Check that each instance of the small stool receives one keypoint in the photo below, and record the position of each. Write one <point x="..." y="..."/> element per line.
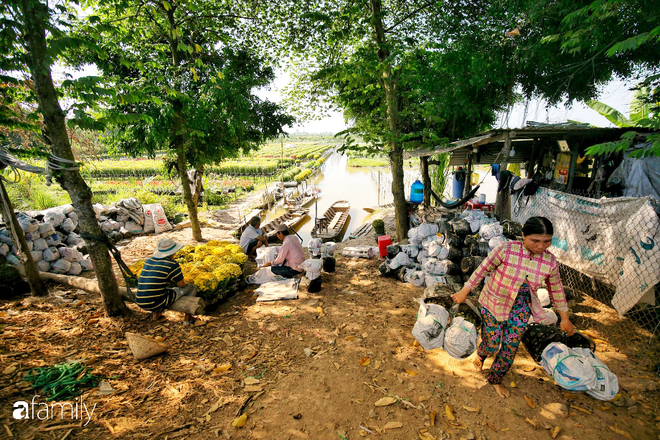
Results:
<point x="321" y="225"/>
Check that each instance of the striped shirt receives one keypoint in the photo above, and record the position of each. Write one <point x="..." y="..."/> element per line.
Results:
<point x="157" y="274"/>
<point x="510" y="265"/>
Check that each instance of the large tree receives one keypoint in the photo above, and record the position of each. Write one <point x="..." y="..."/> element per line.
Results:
<point x="33" y="36"/>
<point x="186" y="66"/>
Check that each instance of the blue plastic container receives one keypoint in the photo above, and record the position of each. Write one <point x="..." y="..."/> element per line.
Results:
<point x="417" y="192"/>
<point x="459" y="184"/>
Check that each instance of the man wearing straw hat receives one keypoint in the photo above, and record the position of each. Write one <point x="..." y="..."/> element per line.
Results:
<point x="154" y="293"/>
<point x="291" y="254"/>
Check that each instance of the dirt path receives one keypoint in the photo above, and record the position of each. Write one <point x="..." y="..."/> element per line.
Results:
<point x="312" y="368"/>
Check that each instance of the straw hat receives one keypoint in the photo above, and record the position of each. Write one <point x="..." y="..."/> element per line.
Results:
<point x="144" y="347"/>
<point x="166" y="247"/>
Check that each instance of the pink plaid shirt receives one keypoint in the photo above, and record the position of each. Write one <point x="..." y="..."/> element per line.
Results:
<point x="510" y="265"/>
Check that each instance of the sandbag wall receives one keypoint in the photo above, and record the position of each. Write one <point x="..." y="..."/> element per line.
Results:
<point x="53" y="239"/>
<point x="448" y="250"/>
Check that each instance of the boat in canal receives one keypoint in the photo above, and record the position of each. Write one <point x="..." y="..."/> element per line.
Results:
<point x="292" y="218"/>
<point x="306" y="198"/>
<point x="330" y="225"/>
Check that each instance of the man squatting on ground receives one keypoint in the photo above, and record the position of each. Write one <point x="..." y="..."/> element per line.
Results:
<point x="509" y="297"/>
<point x="154" y="293"/>
<point x="253" y="238"/>
<point x="291" y="254"/>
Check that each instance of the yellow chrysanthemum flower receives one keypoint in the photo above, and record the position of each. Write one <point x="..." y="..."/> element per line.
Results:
<point x="214" y="243"/>
<point x="234" y="248"/>
<point x="220" y="251"/>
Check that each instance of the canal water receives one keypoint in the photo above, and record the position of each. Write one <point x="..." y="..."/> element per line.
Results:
<point x="360" y="187"/>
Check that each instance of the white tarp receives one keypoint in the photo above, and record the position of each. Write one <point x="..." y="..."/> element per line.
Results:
<point x="615" y="240"/>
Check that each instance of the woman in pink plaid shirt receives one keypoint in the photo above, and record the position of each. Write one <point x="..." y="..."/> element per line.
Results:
<point x="508" y="300"/>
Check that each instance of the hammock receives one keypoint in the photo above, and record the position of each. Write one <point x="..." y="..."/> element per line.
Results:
<point x="457" y="203"/>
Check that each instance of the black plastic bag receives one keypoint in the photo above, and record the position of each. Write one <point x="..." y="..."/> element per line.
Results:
<point x="314" y="285"/>
<point x="538" y="336"/>
<point x="329" y="264"/>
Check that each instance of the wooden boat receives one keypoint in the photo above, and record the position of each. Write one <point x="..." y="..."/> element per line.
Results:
<point x="304" y="199"/>
<point x="291" y="218"/>
<point x="379" y="208"/>
<point x="330" y="226"/>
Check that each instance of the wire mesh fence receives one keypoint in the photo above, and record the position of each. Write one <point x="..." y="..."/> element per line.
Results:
<point x="609" y="250"/>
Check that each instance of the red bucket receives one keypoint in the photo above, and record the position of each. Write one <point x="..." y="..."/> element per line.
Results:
<point x="383" y="242"/>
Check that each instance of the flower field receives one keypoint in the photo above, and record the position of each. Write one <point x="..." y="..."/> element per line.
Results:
<point x="214" y="268"/>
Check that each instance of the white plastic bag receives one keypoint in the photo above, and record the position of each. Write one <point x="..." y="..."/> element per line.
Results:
<point x="160" y="220"/>
<point x="607" y="384"/>
<point x="74" y="239"/>
<point x="312" y="268"/>
<point x="328" y="249"/>
<point x="544" y="297"/>
<point x="410" y="249"/>
<point x="435" y="267"/>
<point x="46" y="230"/>
<point x="86" y="264"/>
<point x="28" y="224"/>
<point x="39" y="244"/>
<point x="429" y="330"/>
<point x="569" y="369"/>
<point x="314" y="247"/>
<point x="4" y="249"/>
<point x="550" y="318"/>
<point x="43" y="265"/>
<point x="401" y="259"/>
<point x="263" y="275"/>
<point x="70" y="254"/>
<point x="75" y="269"/>
<point x="414" y="277"/>
<point x="51" y="254"/>
<point x="431" y="280"/>
<point x="418" y="234"/>
<point x="358" y="252"/>
<point x="133" y="227"/>
<point x="36" y="255"/>
<point x="54" y="218"/>
<point x="438" y="250"/>
<point x="461" y="338"/>
<point x="491" y="230"/>
<point x="68" y="225"/>
<point x="148" y="226"/>
<point x="266" y="255"/>
<point x="60" y="266"/>
<point x="495" y="241"/>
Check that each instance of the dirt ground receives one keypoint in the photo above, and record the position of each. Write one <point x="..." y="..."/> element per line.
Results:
<point x="317" y="367"/>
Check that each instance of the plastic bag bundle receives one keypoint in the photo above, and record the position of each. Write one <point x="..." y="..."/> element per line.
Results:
<point x="54" y="218"/>
<point x="491" y="230"/>
<point x="70" y="254"/>
<point x="495" y="241"/>
<point x="607" y="384"/>
<point x="414" y="277"/>
<point x="315" y="285"/>
<point x="60" y="266"/>
<point x="328" y="249"/>
<point x="429" y="330"/>
<point x="312" y="268"/>
<point x="550" y="318"/>
<point x="263" y="275"/>
<point x="266" y="255"/>
<point x="410" y="249"/>
<point x="401" y="259"/>
<point x="431" y="280"/>
<point x="314" y="247"/>
<point x="86" y="264"/>
<point x="422" y="256"/>
<point x="74" y="239"/>
<point x="438" y="250"/>
<point x="418" y="234"/>
<point x="39" y="244"/>
<point x="28" y="224"/>
<point x="460" y="338"/>
<point x="43" y="266"/>
<point x="36" y="255"/>
<point x="358" y="252"/>
<point x="75" y="269"/>
<point x="538" y="336"/>
<point x="30" y="244"/>
<point x="51" y="254"/>
<point x="544" y="297"/>
<point x="46" y="230"/>
<point x="329" y="264"/>
<point x="4" y="249"/>
<point x="570" y="370"/>
<point x="435" y="267"/>
<point x="68" y="225"/>
<point x="73" y="215"/>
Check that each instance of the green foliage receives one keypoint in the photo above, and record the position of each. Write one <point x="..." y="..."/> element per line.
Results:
<point x="32" y="194"/>
<point x="368" y="162"/>
<point x="439" y="173"/>
<point x="379" y="227"/>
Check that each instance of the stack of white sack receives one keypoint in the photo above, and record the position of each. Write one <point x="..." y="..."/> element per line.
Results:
<point x="429" y="329"/>
<point x="492" y="233"/>
<point x="362" y="251"/>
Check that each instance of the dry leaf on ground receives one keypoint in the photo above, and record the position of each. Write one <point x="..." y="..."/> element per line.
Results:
<point x="365" y="361"/>
<point x="471" y="409"/>
<point x="529" y="401"/>
<point x="240" y="421"/>
<point x="251" y="381"/>
<point x="392" y="425"/>
<point x="626" y="434"/>
<point x="385" y="401"/>
<point x="449" y="412"/>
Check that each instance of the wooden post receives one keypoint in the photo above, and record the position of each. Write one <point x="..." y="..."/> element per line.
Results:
<point x="30" y="269"/>
<point x="503" y="196"/>
<point x="571" y="169"/>
<point x="426" y="180"/>
<point x="468" y="176"/>
<point x="529" y="169"/>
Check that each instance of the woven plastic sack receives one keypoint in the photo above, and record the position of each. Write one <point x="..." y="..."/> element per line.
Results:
<point x="43" y="266"/>
<point x="148" y="226"/>
<point x="160" y="220"/>
<point x="414" y="277"/>
<point x="75" y="269"/>
<point x="28" y="224"/>
<point x="39" y="244"/>
<point x="461" y="338"/>
<point x="418" y="234"/>
<point x="431" y="280"/>
<point x="438" y="250"/>
<point x="410" y="249"/>
<point x="53" y="217"/>
<point x="263" y="275"/>
<point x="51" y="254"/>
<point x="435" y="267"/>
<point x="312" y="268"/>
<point x="569" y="369"/>
<point x="490" y="230"/>
<point x="607" y="384"/>
<point x="429" y="329"/>
<point x="46" y="230"/>
<point x="266" y="255"/>
<point x="133" y="227"/>
<point x="68" y="225"/>
<point x="401" y="259"/>
<point x="74" y="239"/>
<point x="70" y="254"/>
<point x="86" y="264"/>
<point x="60" y="266"/>
<point x="36" y="255"/>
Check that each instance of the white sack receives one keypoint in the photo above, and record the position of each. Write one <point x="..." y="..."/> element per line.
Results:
<point x="28" y="224"/>
<point x="266" y="255"/>
<point x="74" y="239"/>
<point x="435" y="267"/>
<point x="410" y="249"/>
<point x="75" y="269"/>
<point x="86" y="263"/>
<point x="607" y="384"/>
<point x="414" y="277"/>
<point x="461" y="338"/>
<point x="432" y="280"/>
<point x="491" y="230"/>
<point x="429" y="330"/>
<point x="570" y="370"/>
<point x="358" y="252"/>
<point x="46" y="230"/>
<point x="73" y="216"/>
<point x="263" y="275"/>
<point x="544" y="297"/>
<point x="160" y="220"/>
<point x="401" y="259"/>
<point x="418" y="234"/>
<point x="4" y="249"/>
<point x="495" y="241"/>
<point x="328" y="249"/>
<point x="39" y="244"/>
<point x="312" y="268"/>
<point x="36" y="255"/>
<point x="54" y="218"/>
<point x="148" y="219"/>
<point x="43" y="265"/>
<point x="438" y="250"/>
<point x="133" y="227"/>
<point x="68" y="225"/>
<point x="51" y="254"/>
<point x="550" y="318"/>
<point x="60" y="266"/>
<point x="70" y="254"/>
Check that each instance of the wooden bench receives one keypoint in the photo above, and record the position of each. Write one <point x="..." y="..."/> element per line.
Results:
<point x="335" y="220"/>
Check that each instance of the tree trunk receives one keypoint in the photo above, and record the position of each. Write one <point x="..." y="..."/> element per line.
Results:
<point x="392" y="100"/>
<point x="426" y="180"/>
<point x="35" y="14"/>
<point x="198" y="185"/>
<point x="31" y="271"/>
